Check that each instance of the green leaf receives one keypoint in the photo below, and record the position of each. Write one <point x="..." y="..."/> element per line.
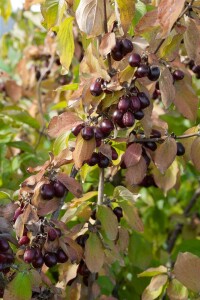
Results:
<point x="52" y="11"/>
<point x="68" y="87"/>
<point x="131" y="215"/>
<point x="153" y="272"/>
<point x="155" y="288"/>
<point x="20" y="287"/>
<point x="25" y="118"/>
<point x="177" y="291"/>
<point x="21" y="145"/>
<point x="123" y="193"/>
<point x="94" y="254"/>
<point x="5" y="9"/>
<point x="108" y="221"/>
<point x="61" y="142"/>
<point x="4" y="196"/>
<point x="66" y="42"/>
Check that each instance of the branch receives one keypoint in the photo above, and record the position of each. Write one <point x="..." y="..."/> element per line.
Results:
<point x="56" y="213"/>
<point x="163" y="138"/>
<point x="100" y="187"/>
<point x="110" y="70"/>
<point x="91" y="280"/>
<point x="178" y="229"/>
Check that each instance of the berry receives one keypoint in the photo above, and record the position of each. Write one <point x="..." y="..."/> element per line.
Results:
<point x="61" y="256"/>
<point x="155" y="134"/>
<point x="134" y="60"/>
<point x="148" y="181"/>
<point x="117" y="116"/>
<point x="98" y="133"/>
<point x="83" y="269"/>
<point x="87" y="133"/>
<point x="139" y="115"/>
<point x="93" y="215"/>
<point x="124" y="104"/>
<point x="29" y="255"/>
<point x="146" y="157"/>
<point x="9" y="258"/>
<point x="59" y="189"/>
<point x="118" y="213"/>
<point x="50" y="259"/>
<point x="98" y="142"/>
<point x="103" y="161"/>
<point x="191" y="64"/>
<point x="81" y="239"/>
<point x="178" y="75"/>
<point x="52" y="234"/>
<point x="123" y="165"/>
<point x="144" y="100"/>
<point x="127" y="46"/>
<point x="196" y="69"/>
<point x="4" y="246"/>
<point x="151" y="145"/>
<point x="38" y="262"/>
<point x="2" y="258"/>
<point x="95" y="88"/>
<point x="93" y="160"/>
<point x="142" y="71"/>
<point x="47" y="191"/>
<point x="106" y="126"/>
<point x="24" y="240"/>
<point x="154" y="73"/>
<point x="180" y="149"/>
<point x="114" y="154"/>
<point x="156" y="94"/>
<point x="128" y="119"/>
<point x="18" y="212"/>
<point x="76" y="130"/>
<point x="135" y="103"/>
<point x="58" y="231"/>
<point x="117" y="51"/>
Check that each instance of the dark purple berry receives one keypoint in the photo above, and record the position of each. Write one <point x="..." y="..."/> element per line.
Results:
<point x="60" y="189"/>
<point x="52" y="234"/>
<point x="146" y="157"/>
<point x="144" y="100"/>
<point x="103" y="161"/>
<point x="2" y="258"/>
<point x="58" y="231"/>
<point x="95" y="88"/>
<point x="139" y="115"/>
<point x="76" y="130"/>
<point x="178" y="75"/>
<point x="93" y="214"/>
<point x="98" y="133"/>
<point x="87" y="133"/>
<point x="155" y="134"/>
<point x="118" y="213"/>
<point x="4" y="246"/>
<point x="134" y="60"/>
<point x="29" y="255"/>
<point x="83" y="269"/>
<point x="117" y="116"/>
<point x="142" y="71"/>
<point x="17" y="213"/>
<point x="81" y="239"/>
<point x="156" y="94"/>
<point x="148" y="181"/>
<point x="128" y="119"/>
<point x="151" y="145"/>
<point x="24" y="240"/>
<point x="9" y="258"/>
<point x="135" y="103"/>
<point x="124" y="103"/>
<point x="61" y="256"/>
<point x="106" y="126"/>
<point x="191" y="64"/>
<point x="196" y="69"/>
<point x="38" y="262"/>
<point x="93" y="160"/>
<point x="114" y="154"/>
<point x="47" y="191"/>
<point x="117" y="55"/>
<point x="154" y="73"/>
<point x="98" y="143"/>
<point x="50" y="259"/>
<point x="127" y="46"/>
<point x="180" y="149"/>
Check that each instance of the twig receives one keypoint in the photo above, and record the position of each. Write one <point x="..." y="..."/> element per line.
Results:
<point x="91" y="280"/>
<point x="110" y="71"/>
<point x="100" y="187"/>
<point x="56" y="213"/>
<point x="178" y="229"/>
<point x="163" y="138"/>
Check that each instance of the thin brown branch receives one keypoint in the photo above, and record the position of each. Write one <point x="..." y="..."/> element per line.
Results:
<point x="101" y="187"/>
<point x="163" y="138"/>
<point x="106" y="31"/>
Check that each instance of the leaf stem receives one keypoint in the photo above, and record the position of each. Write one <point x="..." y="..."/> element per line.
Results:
<point x="101" y="187"/>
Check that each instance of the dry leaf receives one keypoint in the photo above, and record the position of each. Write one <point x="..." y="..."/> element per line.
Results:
<point x="136" y="173"/>
<point x="133" y="154"/>
<point x="165" y="154"/>
<point x="71" y="184"/>
<point x="147" y="22"/>
<point x="107" y="43"/>
<point x="106" y="150"/>
<point x="166" y="87"/>
<point x="195" y="150"/>
<point x="13" y="90"/>
<point x="192" y="39"/>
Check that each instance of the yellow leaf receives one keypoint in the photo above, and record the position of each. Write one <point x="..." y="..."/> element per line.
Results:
<point x="125" y="10"/>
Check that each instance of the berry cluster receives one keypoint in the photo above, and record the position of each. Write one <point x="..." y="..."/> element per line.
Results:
<point x="53" y="189"/>
<point x="6" y="256"/>
<point x="101" y="160"/>
<point x="121" y="49"/>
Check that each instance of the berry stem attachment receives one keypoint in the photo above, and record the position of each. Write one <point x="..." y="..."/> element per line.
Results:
<point x="100" y="187"/>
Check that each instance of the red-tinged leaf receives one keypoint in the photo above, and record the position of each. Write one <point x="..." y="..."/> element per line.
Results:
<point x="147" y="22"/>
<point x="30" y="214"/>
<point x="195" y="150"/>
<point x="108" y="221"/>
<point x="135" y="174"/>
<point x="133" y="154"/>
<point x="107" y="43"/>
<point x="60" y="124"/>
<point x="192" y="39"/>
<point x="187" y="271"/>
<point x="186" y="99"/>
<point x="71" y="184"/>
<point x="83" y="151"/>
<point x="166" y="87"/>
<point x="187" y="143"/>
<point x="153" y="271"/>
<point x="48" y="207"/>
<point x="106" y="150"/>
<point x="94" y="253"/>
<point x="165" y="154"/>
<point x="71" y="248"/>
<point x="168" y="13"/>
<point x="123" y="239"/>
<point x="155" y="288"/>
<point x="7" y="211"/>
<point x="131" y="215"/>
<point x="177" y="291"/>
<point x="13" y="90"/>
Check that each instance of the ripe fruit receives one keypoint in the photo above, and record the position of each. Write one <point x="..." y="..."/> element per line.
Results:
<point x="81" y="239"/>
<point x="154" y="73"/>
<point x="117" y="116"/>
<point x="59" y="189"/>
<point x="4" y="246"/>
<point x="24" y="240"/>
<point x="114" y="154"/>
<point x="196" y="69"/>
<point x="52" y="234"/>
<point x="135" y="103"/>
<point x="117" y="51"/>
<point x="98" y="142"/>
<point x="103" y="161"/>
<point x="9" y="258"/>
<point x="87" y="133"/>
<point x="98" y="133"/>
<point x="118" y="213"/>
<point x="47" y="191"/>
<point x="2" y="258"/>
<point x="106" y="126"/>
<point x="155" y="134"/>
<point x="144" y="100"/>
<point x="29" y="255"/>
<point x="178" y="75"/>
<point x="139" y="115"/>
<point x="156" y="94"/>
<point x="146" y="157"/>
<point x="180" y="149"/>
<point x="38" y="262"/>
<point x="124" y="103"/>
<point x="18" y="212"/>
<point x="142" y="71"/>
<point x="95" y="88"/>
<point x="76" y="130"/>
<point x="134" y="60"/>
<point x="58" y="231"/>
<point x="93" y="160"/>
<point x="151" y="145"/>
<point x="148" y="181"/>
<point x="61" y="256"/>
<point x="128" y="119"/>
<point x="83" y="269"/>
<point x="50" y="259"/>
<point x="93" y="214"/>
<point x="127" y="46"/>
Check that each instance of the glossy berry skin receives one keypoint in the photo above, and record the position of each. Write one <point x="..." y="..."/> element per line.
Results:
<point x="47" y="191"/>
<point x="18" y="212"/>
<point x="117" y="116"/>
<point x="155" y="134"/>
<point x="144" y="100"/>
<point x="148" y="181"/>
<point x="98" y="133"/>
<point x="38" y="262"/>
<point x="93" y="160"/>
<point x="59" y="189"/>
<point x="135" y="103"/>
<point x="178" y="75"/>
<point x="117" y="55"/>
<point x="180" y="149"/>
<point x="118" y="213"/>
<point x="81" y="239"/>
<point x="196" y="69"/>
<point x="134" y="60"/>
<point x="114" y="154"/>
<point x="50" y="259"/>
<point x="124" y="104"/>
<point x="106" y="126"/>
<point x="52" y="234"/>
<point x="154" y="73"/>
<point x="87" y="133"/>
<point x="95" y="88"/>
<point x="29" y="255"/>
<point x="9" y="258"/>
<point x="76" y="130"/>
<point x="83" y="269"/>
<point x="128" y="119"/>
<point x="93" y="215"/>
<point x="103" y="162"/>
<point x="24" y="240"/>
<point x="127" y="46"/>
<point x="58" y="231"/>
<point x="61" y="256"/>
<point x="151" y="145"/>
<point x="139" y="115"/>
<point x="142" y="71"/>
<point x="4" y="246"/>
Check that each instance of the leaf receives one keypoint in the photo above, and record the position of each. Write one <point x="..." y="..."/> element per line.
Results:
<point x="187" y="143"/>
<point x="147" y="22"/>
<point x="187" y="271"/>
<point x="133" y="154"/>
<point x="68" y="87"/>
<point x="136" y="173"/>
<point x="108" y="221"/>
<point x="168" y="13"/>
<point x="71" y="184"/>
<point x="107" y="43"/>
<point x="125" y="10"/>
<point x="126" y="74"/>
<point x="13" y="90"/>
<point x="60" y="124"/>
<point x="52" y="11"/>
<point x="123" y="239"/>
<point x="5" y="9"/>
<point x="19" y="288"/>
<point x="83" y="151"/>
<point x="106" y="150"/>
<point x="94" y="254"/>
<point x="166" y="87"/>
<point x="165" y="154"/>
<point x="176" y="291"/>
<point x="192" y="39"/>
<point x="155" y="288"/>
<point x="90" y="16"/>
<point x="195" y="150"/>
<point x="153" y="272"/>
<point x="123" y="193"/>
<point x="186" y="99"/>
<point x="65" y="41"/>
<point x="130" y="213"/>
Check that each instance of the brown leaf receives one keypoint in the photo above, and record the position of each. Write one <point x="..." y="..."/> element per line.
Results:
<point x="132" y="154"/>
<point x="47" y="207"/>
<point x="107" y="43"/>
<point x="13" y="90"/>
<point x="192" y="39"/>
<point x="186" y="99"/>
<point x="7" y="211"/>
<point x="60" y="124"/>
<point x="124" y="10"/>
<point x="147" y="22"/>
<point x="166" y="87"/>
<point x="136" y="173"/>
<point x="168" y="13"/>
<point x="94" y="254"/>
<point x="187" y="143"/>
<point x="195" y="150"/>
<point x="123" y="239"/>
<point x="71" y="184"/>
<point x="106" y="150"/>
<point x="187" y="271"/>
<point x="71" y="248"/>
<point x="176" y="291"/>
<point x="165" y="154"/>
<point x="83" y="150"/>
